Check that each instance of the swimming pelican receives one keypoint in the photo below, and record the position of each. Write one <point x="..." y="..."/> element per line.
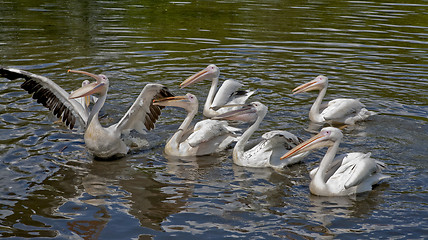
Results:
<point x="100" y="142"/>
<point x="345" y="111"/>
<point x="273" y="145"/>
<point x="206" y="137"/>
<point x="344" y="175"/>
<point x="227" y="94"/>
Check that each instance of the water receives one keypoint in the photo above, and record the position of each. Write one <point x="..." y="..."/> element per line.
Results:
<point x="372" y="50"/>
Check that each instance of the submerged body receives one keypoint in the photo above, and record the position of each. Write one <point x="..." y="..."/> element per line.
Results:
<point x="343" y="111"/>
<point x="206" y="137"/>
<point x="343" y="175"/>
<point x="104" y="143"/>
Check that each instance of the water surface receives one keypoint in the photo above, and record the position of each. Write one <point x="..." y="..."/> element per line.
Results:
<point x="372" y="50"/>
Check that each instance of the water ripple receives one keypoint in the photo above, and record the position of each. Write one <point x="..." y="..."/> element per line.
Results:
<point x="374" y="51"/>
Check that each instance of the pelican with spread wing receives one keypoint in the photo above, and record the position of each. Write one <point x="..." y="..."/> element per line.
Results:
<point x="267" y="151"/>
<point x="341" y="110"/>
<point x="343" y="175"/>
<point x="206" y="137"/>
<point x="227" y="94"/>
<point x="101" y="142"/>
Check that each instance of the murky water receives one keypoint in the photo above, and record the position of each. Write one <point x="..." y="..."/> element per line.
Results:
<point x="372" y="50"/>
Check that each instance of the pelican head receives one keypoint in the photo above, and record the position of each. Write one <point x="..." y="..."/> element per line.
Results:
<point x="100" y="86"/>
<point x="210" y="72"/>
<point x="318" y="83"/>
<point x="188" y="102"/>
<point x="247" y="112"/>
<point x="325" y="138"/>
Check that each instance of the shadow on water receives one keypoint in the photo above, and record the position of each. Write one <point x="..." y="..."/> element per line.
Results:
<point x="120" y="188"/>
<point x="81" y="198"/>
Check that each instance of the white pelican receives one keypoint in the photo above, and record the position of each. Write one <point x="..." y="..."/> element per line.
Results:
<point x="344" y="175"/>
<point x="206" y="137"/>
<point x="344" y="111"/>
<point x="227" y="94"/>
<point x="273" y="145"/>
<point x="100" y="142"/>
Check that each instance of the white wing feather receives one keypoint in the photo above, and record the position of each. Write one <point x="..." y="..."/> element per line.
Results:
<point x="272" y="146"/>
<point x="353" y="173"/>
<point x="229" y="94"/>
<point x="225" y="92"/>
<point x="341" y="108"/>
<point x="143" y="114"/>
<point x="339" y="160"/>
<point x="206" y="130"/>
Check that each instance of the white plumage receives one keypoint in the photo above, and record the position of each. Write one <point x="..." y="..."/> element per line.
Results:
<point x="100" y="142"/>
<point x="345" y="111"/>
<point x="343" y="175"/>
<point x="227" y="94"/>
<point x="106" y="142"/>
<point x="206" y="137"/>
<point x="269" y="149"/>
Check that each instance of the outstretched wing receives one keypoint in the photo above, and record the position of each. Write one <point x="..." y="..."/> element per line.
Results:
<point x="143" y="114"/>
<point x="52" y="96"/>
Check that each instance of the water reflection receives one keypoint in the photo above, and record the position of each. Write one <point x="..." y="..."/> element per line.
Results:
<point x="331" y="211"/>
<point x="191" y="169"/>
<point x="91" y="229"/>
<point x="372" y="50"/>
<point x="119" y="186"/>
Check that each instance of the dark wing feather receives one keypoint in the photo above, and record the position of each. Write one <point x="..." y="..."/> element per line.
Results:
<point x="53" y="97"/>
<point x="143" y="113"/>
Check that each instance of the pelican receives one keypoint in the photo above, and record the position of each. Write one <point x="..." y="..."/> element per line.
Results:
<point x="344" y="175"/>
<point x="206" y="137"/>
<point x="227" y="94"/>
<point x="343" y="111"/>
<point x="265" y="153"/>
<point x="101" y="142"/>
